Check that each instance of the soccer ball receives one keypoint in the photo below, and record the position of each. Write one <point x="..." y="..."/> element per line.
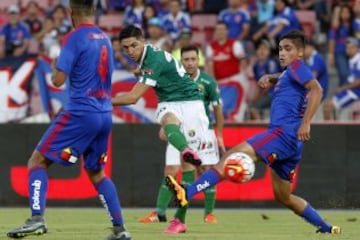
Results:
<point x="239" y="167"/>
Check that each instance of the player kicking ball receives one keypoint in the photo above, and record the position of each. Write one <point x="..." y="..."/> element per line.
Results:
<point x="180" y="111"/>
<point x="211" y="99"/>
<point x="82" y="129"/>
<point x="297" y="95"/>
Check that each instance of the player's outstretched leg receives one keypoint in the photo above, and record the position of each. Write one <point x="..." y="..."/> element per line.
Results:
<point x="206" y="180"/>
<point x="109" y="198"/>
<point x="33" y="226"/>
<point x="282" y="191"/>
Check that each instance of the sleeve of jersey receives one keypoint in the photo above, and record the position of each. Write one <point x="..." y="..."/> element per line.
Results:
<point x="214" y="94"/>
<point x="67" y="56"/>
<point x="357" y="72"/>
<point x="151" y="73"/>
<point x="301" y="73"/>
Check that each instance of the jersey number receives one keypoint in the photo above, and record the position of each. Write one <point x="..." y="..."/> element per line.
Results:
<point x="103" y="63"/>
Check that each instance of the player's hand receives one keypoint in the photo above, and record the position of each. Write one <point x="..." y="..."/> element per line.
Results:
<point x="221" y="144"/>
<point x="304" y="132"/>
<point x="264" y="82"/>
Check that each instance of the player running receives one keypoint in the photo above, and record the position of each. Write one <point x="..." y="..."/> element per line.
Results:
<point x="82" y="129"/>
<point x="211" y="98"/>
<point x="180" y="111"/>
<point x="297" y="95"/>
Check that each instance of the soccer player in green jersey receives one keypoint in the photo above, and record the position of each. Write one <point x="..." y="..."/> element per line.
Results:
<point x="211" y="99"/>
<point x="180" y="111"/>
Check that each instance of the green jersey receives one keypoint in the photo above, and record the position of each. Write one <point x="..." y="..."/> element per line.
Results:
<point x="167" y="76"/>
<point x="210" y="92"/>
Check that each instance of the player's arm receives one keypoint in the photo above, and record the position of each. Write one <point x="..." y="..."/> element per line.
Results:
<point x="131" y="97"/>
<point x="58" y="77"/>
<point x="350" y="86"/>
<point x="268" y="79"/>
<point x="314" y="99"/>
<point x="219" y="125"/>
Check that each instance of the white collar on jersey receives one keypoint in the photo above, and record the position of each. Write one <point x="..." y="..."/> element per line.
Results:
<point x="197" y="74"/>
<point x="143" y="56"/>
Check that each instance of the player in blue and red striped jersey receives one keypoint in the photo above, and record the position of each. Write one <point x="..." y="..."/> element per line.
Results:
<point x="82" y="129"/>
<point x="297" y="95"/>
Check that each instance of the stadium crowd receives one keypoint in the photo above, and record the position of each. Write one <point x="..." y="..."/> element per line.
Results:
<point x="236" y="39"/>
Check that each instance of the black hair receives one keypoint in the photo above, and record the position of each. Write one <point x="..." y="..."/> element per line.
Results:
<point x="222" y="23"/>
<point x="82" y="7"/>
<point x="296" y="36"/>
<point x="188" y="49"/>
<point x="131" y="31"/>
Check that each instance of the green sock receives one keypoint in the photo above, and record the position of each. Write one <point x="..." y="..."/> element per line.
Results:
<point x="163" y="199"/>
<point x="175" y="137"/>
<point x="210" y="199"/>
<point x="188" y="177"/>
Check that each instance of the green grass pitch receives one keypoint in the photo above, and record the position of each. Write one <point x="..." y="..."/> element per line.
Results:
<point x="233" y="224"/>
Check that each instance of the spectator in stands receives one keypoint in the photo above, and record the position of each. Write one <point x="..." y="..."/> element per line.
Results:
<point x="116" y="5"/>
<point x="225" y="57"/>
<point x="121" y="61"/>
<point x="284" y="21"/>
<point x="265" y="64"/>
<point x="32" y="17"/>
<point x="101" y="7"/>
<point x="176" y="20"/>
<point x="61" y="17"/>
<point x="318" y="66"/>
<point x="54" y="50"/>
<point x="157" y="36"/>
<point x="161" y="7"/>
<point x="342" y="27"/>
<point x="305" y="4"/>
<point x="47" y="37"/>
<point x="210" y="6"/>
<point x="356" y="22"/>
<point x="134" y="13"/>
<point x="265" y="10"/>
<point x="184" y="40"/>
<point x="149" y="13"/>
<point x="349" y="92"/>
<point x="14" y="36"/>
<point x="237" y="20"/>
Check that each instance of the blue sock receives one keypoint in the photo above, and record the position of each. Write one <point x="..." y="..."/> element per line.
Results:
<point x="109" y="198"/>
<point x="310" y="215"/>
<point x="38" y="184"/>
<point x="208" y="179"/>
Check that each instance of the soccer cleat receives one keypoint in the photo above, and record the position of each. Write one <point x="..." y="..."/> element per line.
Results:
<point x="153" y="217"/>
<point x="190" y="156"/>
<point x="33" y="226"/>
<point x="210" y="218"/>
<point x="334" y="230"/>
<point x="176" y="226"/>
<point x="178" y="190"/>
<point x="119" y="233"/>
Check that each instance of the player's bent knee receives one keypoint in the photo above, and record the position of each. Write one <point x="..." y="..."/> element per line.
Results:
<point x="95" y="175"/>
<point x="38" y="160"/>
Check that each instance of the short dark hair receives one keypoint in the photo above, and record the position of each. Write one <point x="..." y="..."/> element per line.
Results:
<point x="297" y="37"/>
<point x="131" y="31"/>
<point x="188" y="49"/>
<point x="222" y="23"/>
<point x="82" y="7"/>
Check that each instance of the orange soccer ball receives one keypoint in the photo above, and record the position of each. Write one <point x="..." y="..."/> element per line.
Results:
<point x="239" y="167"/>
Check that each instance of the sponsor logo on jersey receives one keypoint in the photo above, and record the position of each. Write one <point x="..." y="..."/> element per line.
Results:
<point x="36" y="195"/>
<point x="202" y="186"/>
<point x="102" y="159"/>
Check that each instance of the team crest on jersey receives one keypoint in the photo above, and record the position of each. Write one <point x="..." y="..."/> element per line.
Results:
<point x="201" y="87"/>
<point x="272" y="157"/>
<point x="147" y="71"/>
<point x="67" y="154"/>
<point x="292" y="175"/>
<point x="191" y="133"/>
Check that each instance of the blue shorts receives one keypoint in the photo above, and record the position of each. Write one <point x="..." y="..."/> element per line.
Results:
<point x="72" y="136"/>
<point x="278" y="149"/>
<point x="345" y="98"/>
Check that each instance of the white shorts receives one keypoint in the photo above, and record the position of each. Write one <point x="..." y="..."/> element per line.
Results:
<point x="208" y="156"/>
<point x="194" y="123"/>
